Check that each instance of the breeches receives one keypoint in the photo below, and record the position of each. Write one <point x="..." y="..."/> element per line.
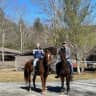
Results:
<point x="35" y="61"/>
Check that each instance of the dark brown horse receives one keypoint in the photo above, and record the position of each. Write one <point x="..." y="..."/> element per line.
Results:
<point x="64" y="70"/>
<point x="43" y="70"/>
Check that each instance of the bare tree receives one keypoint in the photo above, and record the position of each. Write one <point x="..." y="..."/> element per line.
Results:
<point x="20" y="11"/>
<point x="71" y="16"/>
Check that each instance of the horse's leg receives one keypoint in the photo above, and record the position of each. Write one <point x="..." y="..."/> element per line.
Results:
<point x="68" y="83"/>
<point x="43" y="86"/>
<point x="62" y="83"/>
<point x="29" y="82"/>
<point x="34" y="78"/>
<point x="45" y="78"/>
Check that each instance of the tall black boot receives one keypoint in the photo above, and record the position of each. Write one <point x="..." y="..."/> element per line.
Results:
<point x="33" y="71"/>
<point x="57" y="69"/>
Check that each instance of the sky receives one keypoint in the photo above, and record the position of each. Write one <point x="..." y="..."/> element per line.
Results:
<point x="31" y="10"/>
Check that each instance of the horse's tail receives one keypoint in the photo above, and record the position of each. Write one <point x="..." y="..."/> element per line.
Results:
<point x="27" y="72"/>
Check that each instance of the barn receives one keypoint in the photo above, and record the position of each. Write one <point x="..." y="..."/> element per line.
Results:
<point x="21" y="59"/>
<point x="9" y="57"/>
<point x="91" y="58"/>
<point x="91" y="55"/>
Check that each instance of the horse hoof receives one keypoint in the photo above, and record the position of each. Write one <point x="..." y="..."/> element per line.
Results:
<point x="43" y="93"/>
<point x="63" y="95"/>
<point x="46" y="88"/>
<point x="63" y="89"/>
<point x="30" y="90"/>
<point x="66" y="95"/>
<point x="34" y="87"/>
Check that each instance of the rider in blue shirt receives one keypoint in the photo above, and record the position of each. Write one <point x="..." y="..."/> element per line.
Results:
<point x="38" y="53"/>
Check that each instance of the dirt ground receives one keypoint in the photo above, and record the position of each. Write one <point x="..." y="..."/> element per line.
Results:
<point x="12" y="84"/>
<point x="78" y="88"/>
<point x="11" y="75"/>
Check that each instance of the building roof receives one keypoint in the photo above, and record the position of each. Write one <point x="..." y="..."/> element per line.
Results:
<point x="10" y="51"/>
<point x="27" y="53"/>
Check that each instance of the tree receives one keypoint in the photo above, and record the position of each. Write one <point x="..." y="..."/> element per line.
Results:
<point x="21" y="29"/>
<point x="71" y="16"/>
<point x="37" y="25"/>
<point x="39" y="31"/>
<point x="2" y="23"/>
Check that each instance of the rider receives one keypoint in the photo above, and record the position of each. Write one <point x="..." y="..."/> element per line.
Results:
<point x="68" y="58"/>
<point x="38" y="53"/>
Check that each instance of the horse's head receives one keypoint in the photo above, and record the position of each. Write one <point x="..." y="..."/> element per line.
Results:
<point x="62" y="54"/>
<point x="48" y="56"/>
<point x="53" y="50"/>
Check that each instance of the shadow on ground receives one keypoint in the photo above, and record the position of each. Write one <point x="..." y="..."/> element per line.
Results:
<point x="49" y="88"/>
<point x="54" y="89"/>
<point x="33" y="89"/>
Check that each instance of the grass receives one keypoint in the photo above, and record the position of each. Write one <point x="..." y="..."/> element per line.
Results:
<point x="10" y="75"/>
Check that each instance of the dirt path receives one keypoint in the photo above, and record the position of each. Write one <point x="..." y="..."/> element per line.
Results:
<point x="78" y="88"/>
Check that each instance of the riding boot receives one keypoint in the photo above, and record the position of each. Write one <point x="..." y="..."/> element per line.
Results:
<point x="57" y="72"/>
<point x="57" y="69"/>
<point x="33" y="71"/>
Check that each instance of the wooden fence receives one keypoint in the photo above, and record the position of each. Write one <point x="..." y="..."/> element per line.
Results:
<point x="20" y="61"/>
<point x="7" y="64"/>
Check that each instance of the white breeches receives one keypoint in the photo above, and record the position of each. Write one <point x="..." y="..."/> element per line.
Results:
<point x="35" y="61"/>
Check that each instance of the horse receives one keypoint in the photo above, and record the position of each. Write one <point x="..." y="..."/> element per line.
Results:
<point x="64" y="71"/>
<point x="43" y="70"/>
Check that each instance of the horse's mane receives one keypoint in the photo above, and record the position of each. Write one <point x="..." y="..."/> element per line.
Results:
<point x="62" y="49"/>
<point x="64" y="62"/>
<point x="53" y="50"/>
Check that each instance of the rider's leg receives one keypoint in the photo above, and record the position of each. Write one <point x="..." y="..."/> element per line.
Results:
<point x="35" y="61"/>
<point x="57" y="69"/>
<point x="34" y="64"/>
<point x="57" y="66"/>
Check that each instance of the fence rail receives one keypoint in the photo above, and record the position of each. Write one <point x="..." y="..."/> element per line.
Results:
<point x="7" y="64"/>
<point x="88" y="62"/>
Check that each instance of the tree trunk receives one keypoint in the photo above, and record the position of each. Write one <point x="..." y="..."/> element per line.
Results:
<point x="77" y="62"/>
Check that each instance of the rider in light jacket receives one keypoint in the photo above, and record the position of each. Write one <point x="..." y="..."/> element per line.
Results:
<point x="68" y="58"/>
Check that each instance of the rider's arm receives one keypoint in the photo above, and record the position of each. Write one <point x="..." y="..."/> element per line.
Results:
<point x="68" y="53"/>
<point x="33" y="51"/>
<point x="42" y="52"/>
